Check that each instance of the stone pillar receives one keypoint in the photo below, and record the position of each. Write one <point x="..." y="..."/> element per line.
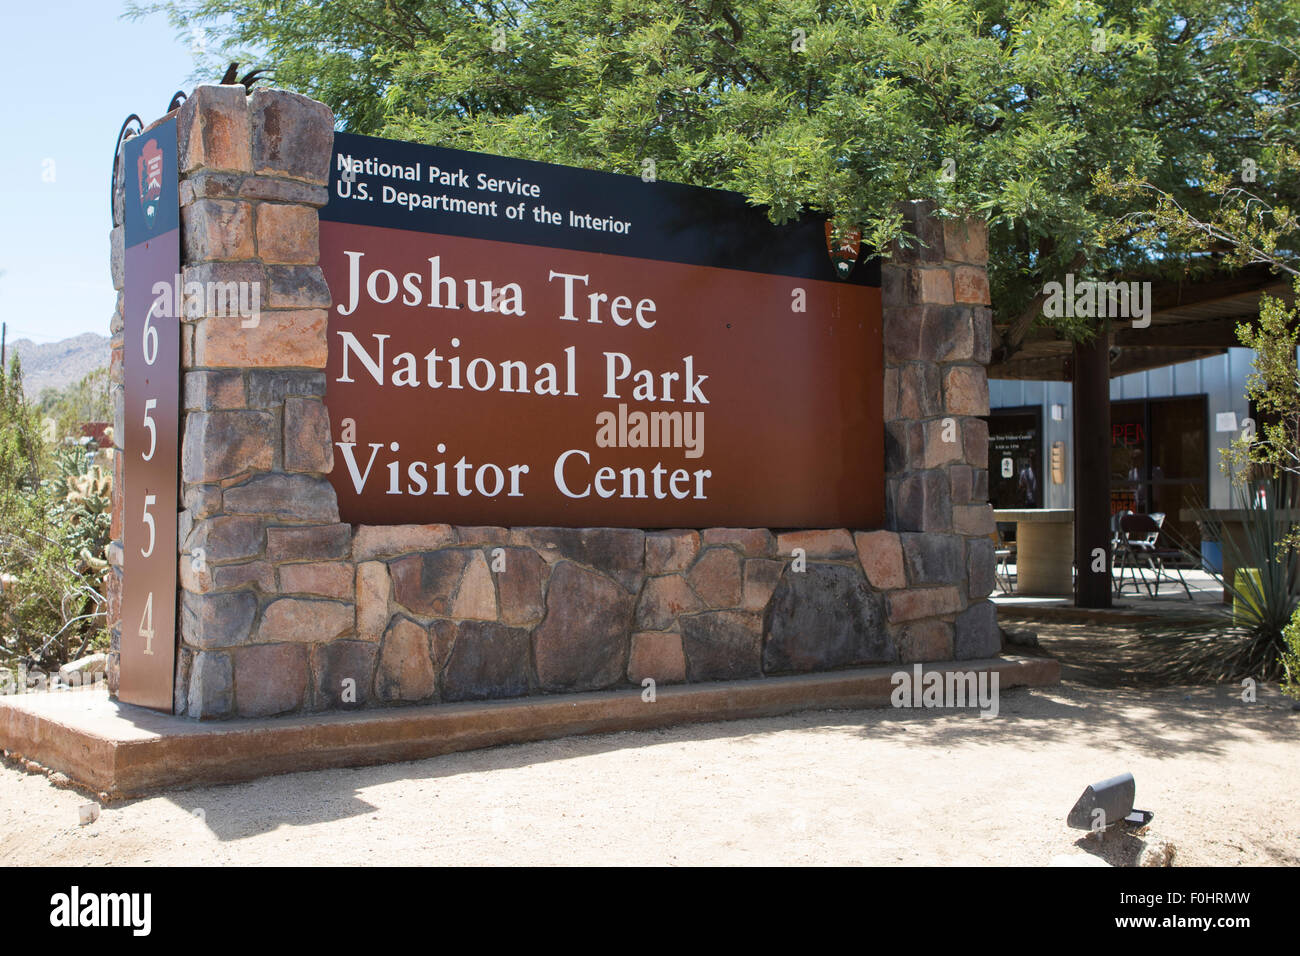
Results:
<point x="937" y="339"/>
<point x="255" y="442"/>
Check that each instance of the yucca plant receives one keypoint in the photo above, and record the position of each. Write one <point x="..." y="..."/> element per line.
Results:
<point x="1228" y="642"/>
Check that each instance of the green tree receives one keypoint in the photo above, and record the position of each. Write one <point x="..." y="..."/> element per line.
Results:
<point x="67" y="408"/>
<point x="1028" y="113"/>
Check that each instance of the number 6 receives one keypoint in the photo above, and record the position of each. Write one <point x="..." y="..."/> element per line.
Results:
<point x="150" y="339"/>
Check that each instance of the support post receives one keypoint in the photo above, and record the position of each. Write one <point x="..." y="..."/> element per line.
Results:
<point x="1091" y="392"/>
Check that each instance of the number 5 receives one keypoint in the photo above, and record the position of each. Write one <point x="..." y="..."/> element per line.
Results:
<point x="148" y="519"/>
<point x="149" y="424"/>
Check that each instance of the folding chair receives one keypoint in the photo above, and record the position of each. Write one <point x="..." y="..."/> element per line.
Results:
<point x="1140" y="536"/>
<point x="1002" y="553"/>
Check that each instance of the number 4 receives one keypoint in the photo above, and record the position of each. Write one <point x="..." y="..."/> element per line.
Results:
<point x="146" y="624"/>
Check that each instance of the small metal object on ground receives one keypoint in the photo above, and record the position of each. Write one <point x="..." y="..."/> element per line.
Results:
<point x="1114" y="798"/>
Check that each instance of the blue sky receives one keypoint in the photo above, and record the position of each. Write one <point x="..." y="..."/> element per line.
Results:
<point x="75" y="70"/>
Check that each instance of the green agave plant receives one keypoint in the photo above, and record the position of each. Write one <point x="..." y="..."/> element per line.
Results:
<point x="1247" y="637"/>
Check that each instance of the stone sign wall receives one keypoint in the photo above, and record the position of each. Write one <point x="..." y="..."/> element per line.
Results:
<point x="284" y="609"/>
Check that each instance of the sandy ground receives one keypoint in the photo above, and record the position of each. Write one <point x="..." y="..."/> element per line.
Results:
<point x="837" y="787"/>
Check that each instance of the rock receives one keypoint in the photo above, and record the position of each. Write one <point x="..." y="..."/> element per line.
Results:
<point x="305" y="620"/>
<point x="307" y="445"/>
<point x="487" y="661"/>
<point x="87" y="814"/>
<point x="916" y="603"/>
<point x="211" y="685"/>
<point x="1019" y="637"/>
<point x="213" y="391"/>
<point x="519" y="586"/>
<point x="657" y="655"/>
<point x="270" y="679"/>
<point x="662" y="599"/>
<point x="668" y="551"/>
<point x="213" y="130"/>
<point x="374" y="587"/>
<point x="287" y="497"/>
<point x="618" y="552"/>
<point x="297" y="287"/>
<point x="291" y="337"/>
<point x="761" y="577"/>
<point x="881" y="556"/>
<point x="980" y="566"/>
<point x="971" y="285"/>
<point x="227" y="538"/>
<point x="822" y="618"/>
<point x="332" y="579"/>
<point x="716" y="577"/>
<point x="223" y="444"/>
<point x="933" y="559"/>
<point x="405" y="667"/>
<point x="835" y="543"/>
<point x="961" y="481"/>
<point x="344" y="669"/>
<point x="975" y="632"/>
<point x="217" y="620"/>
<point x="975" y="445"/>
<point x="216" y="229"/>
<point x="288" y="234"/>
<point x="84" y="669"/>
<point x="388" y="541"/>
<point x="966" y="390"/>
<point x="292" y="136"/>
<point x="923" y="502"/>
<point x="582" y="643"/>
<point x="1156" y="851"/>
<point x="973" y="519"/>
<point x="425" y="582"/>
<point x="753" y="542"/>
<point x="270" y="387"/>
<point x="926" y="641"/>
<point x="722" y="645"/>
<point x="476" y="598"/>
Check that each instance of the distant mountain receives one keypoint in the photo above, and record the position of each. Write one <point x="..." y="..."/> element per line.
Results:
<point x="59" y="364"/>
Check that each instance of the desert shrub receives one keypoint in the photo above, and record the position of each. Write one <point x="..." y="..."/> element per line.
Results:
<point x="55" y="511"/>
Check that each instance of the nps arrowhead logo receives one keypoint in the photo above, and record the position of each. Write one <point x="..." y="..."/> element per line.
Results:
<point x="149" y="172"/>
<point x="844" y="246"/>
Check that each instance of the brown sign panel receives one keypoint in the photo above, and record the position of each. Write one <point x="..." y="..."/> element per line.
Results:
<point x="474" y="379"/>
<point x="151" y="439"/>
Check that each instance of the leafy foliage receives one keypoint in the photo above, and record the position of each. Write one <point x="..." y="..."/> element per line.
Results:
<point x="62" y="410"/>
<point x="54" y="528"/>
<point x="1246" y="638"/>
<point x="1274" y="386"/>
<point x="1067" y="124"/>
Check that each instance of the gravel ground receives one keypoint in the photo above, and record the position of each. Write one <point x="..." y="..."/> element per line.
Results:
<point x="838" y="787"/>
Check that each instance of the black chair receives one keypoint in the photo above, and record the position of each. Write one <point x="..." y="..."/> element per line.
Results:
<point x="1139" y="551"/>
